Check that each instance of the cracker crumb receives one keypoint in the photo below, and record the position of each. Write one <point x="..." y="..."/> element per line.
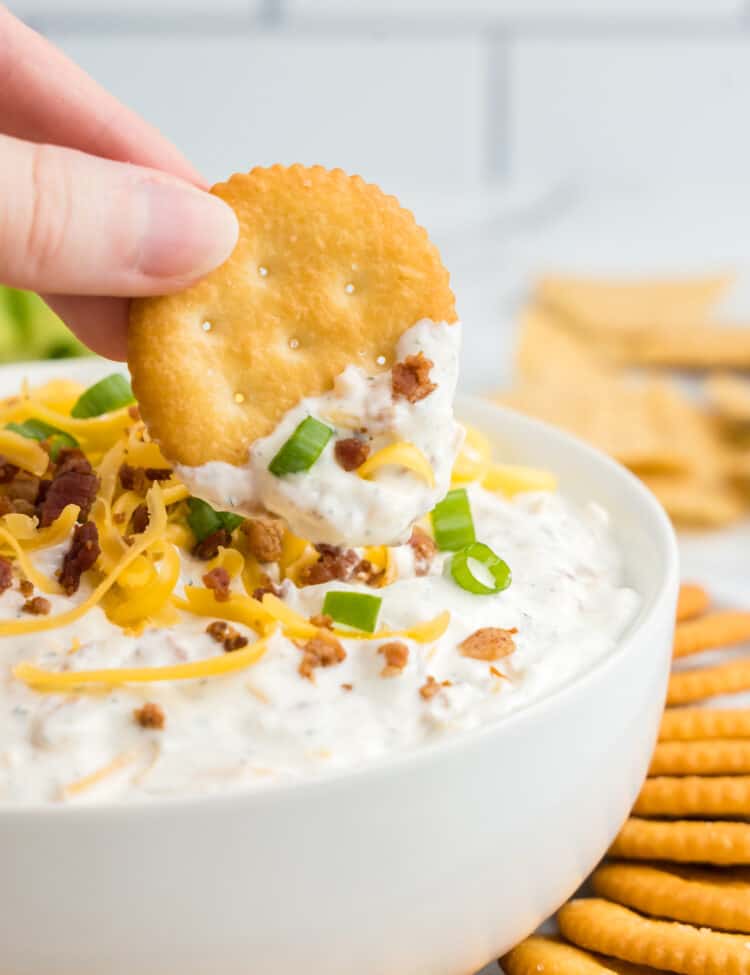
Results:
<point x="489" y="643"/>
<point x="150" y="716"/>
<point x="396" y="656"/>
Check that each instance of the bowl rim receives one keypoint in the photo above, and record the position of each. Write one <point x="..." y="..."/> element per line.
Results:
<point x="661" y="600"/>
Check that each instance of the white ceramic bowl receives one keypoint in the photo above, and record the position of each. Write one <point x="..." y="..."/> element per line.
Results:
<point x="430" y="863"/>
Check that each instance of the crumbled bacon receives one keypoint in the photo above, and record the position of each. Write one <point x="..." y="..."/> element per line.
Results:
<point x="322" y="620"/>
<point x="209" y="547"/>
<point x="150" y="716"/>
<point x="234" y="641"/>
<point x="139" y="519"/>
<point x="22" y="507"/>
<point x="365" y="571"/>
<point x="322" y="650"/>
<point x="6" y="574"/>
<point x="26" y="588"/>
<point x="83" y="552"/>
<point x="430" y="688"/>
<point x="489" y="643"/>
<point x="347" y="687"/>
<point x="351" y="452"/>
<point x="264" y="537"/>
<point x="424" y="549"/>
<point x="37" y="606"/>
<point x="396" y="656"/>
<point x="74" y="482"/>
<point x="139" y="479"/>
<point x="22" y="487"/>
<point x="219" y="581"/>
<point x="334" y="563"/>
<point x="268" y="588"/>
<point x="7" y="470"/>
<point x="226" y="635"/>
<point x="411" y="378"/>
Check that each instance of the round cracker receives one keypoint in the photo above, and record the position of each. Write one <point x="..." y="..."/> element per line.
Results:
<point x="327" y="271"/>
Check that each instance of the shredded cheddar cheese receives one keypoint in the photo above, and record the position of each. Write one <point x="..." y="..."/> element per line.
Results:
<point x="76" y="680"/>
<point x="511" y="479"/>
<point x="23" y="452"/>
<point x="154" y="532"/>
<point x="401" y="454"/>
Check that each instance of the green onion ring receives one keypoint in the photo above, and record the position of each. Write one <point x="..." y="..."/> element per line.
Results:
<point x="464" y="577"/>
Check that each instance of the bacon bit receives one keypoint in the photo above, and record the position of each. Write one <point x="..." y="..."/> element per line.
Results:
<point x="83" y="552"/>
<point x="396" y="656"/>
<point x="74" y="482"/>
<point x="489" y="643"/>
<point x="139" y="519"/>
<point x="150" y="716"/>
<point x="365" y="571"/>
<point x="323" y="650"/>
<point x="498" y="673"/>
<point x="226" y="635"/>
<point x="347" y="687"/>
<point x="209" y="547"/>
<point x="37" y="606"/>
<point x="424" y="548"/>
<point x="119" y="517"/>
<point x="6" y="574"/>
<point x="219" y="581"/>
<point x="351" y="453"/>
<point x="264" y="536"/>
<point x="139" y="479"/>
<point x="411" y="378"/>
<point x="218" y="630"/>
<point x="334" y="563"/>
<point x="322" y="621"/>
<point x="430" y="688"/>
<point x="267" y="587"/>
<point x="7" y="470"/>
<point x="26" y="588"/>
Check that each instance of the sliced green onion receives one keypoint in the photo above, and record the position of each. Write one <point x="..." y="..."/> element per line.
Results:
<point x="355" y="609"/>
<point x="302" y="449"/>
<point x="39" y="430"/>
<point x="452" y="522"/>
<point x="497" y="568"/>
<point x="204" y="520"/>
<point x="111" y="393"/>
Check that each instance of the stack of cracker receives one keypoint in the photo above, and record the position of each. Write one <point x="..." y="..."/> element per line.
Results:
<point x="600" y="359"/>
<point x="673" y="894"/>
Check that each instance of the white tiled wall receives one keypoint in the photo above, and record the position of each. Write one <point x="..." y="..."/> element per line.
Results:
<point x="631" y="111"/>
<point x="399" y="111"/>
<point x="434" y="94"/>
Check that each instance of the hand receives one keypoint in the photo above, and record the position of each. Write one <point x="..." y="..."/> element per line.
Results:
<point x="95" y="205"/>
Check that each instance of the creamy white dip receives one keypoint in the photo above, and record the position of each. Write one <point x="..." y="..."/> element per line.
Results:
<point x="268" y="724"/>
<point x="328" y="503"/>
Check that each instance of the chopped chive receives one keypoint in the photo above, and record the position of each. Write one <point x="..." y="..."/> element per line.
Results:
<point x="452" y="522"/>
<point x="204" y="520"/>
<point x="355" y="609"/>
<point x="111" y="393"/>
<point x="39" y="430"/>
<point x="302" y="449"/>
<point x="461" y="569"/>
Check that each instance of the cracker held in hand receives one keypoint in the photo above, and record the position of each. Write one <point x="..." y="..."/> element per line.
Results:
<point x="327" y="271"/>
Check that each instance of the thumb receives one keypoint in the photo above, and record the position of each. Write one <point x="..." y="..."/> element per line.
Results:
<point x="77" y="224"/>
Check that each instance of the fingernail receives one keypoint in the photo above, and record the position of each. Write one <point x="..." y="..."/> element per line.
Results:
<point x="186" y="232"/>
